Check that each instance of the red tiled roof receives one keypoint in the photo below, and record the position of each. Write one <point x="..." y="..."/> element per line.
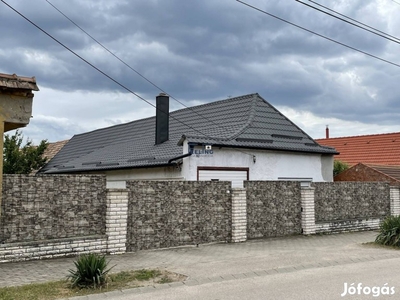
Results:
<point x="379" y="149"/>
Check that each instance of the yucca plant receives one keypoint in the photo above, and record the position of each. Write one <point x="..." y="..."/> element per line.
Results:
<point x="389" y="232"/>
<point x="91" y="271"/>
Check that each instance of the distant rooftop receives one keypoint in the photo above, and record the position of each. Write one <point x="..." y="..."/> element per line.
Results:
<point x="8" y="81"/>
<point x="53" y="148"/>
<point x="374" y="149"/>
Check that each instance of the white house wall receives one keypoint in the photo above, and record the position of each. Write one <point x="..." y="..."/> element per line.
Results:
<point x="117" y="179"/>
<point x="268" y="165"/>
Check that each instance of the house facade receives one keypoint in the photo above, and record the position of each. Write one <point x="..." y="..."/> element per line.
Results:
<point x="241" y="138"/>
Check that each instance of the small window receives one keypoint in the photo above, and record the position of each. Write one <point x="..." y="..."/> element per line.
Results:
<point x="304" y="182"/>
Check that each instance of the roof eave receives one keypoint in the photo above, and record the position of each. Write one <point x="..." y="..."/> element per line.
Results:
<point x="72" y="171"/>
<point x="333" y="152"/>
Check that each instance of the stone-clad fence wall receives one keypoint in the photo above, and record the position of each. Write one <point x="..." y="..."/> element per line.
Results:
<point x="344" y="206"/>
<point x="52" y="216"/>
<point x="273" y="208"/>
<point x="52" y="207"/>
<point x="173" y="213"/>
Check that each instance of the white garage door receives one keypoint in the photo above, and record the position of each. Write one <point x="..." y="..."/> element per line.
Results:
<point x="237" y="177"/>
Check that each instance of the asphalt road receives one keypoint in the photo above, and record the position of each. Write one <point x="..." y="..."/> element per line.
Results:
<point x="320" y="283"/>
<point x="294" y="267"/>
<point x="342" y="266"/>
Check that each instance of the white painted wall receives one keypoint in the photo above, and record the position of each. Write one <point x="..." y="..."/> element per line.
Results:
<point x="269" y="165"/>
<point x="118" y="178"/>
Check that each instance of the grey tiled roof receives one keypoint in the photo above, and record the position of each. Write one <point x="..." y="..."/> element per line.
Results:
<point x="241" y="122"/>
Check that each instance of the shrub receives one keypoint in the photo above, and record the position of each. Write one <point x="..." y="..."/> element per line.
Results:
<point x="339" y="167"/>
<point x="389" y="232"/>
<point x="91" y="271"/>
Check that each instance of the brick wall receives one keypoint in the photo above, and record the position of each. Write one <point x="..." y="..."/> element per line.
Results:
<point x="52" y="248"/>
<point x="173" y="213"/>
<point x="273" y="208"/>
<point x="117" y="220"/>
<point x="239" y="215"/>
<point x="36" y="208"/>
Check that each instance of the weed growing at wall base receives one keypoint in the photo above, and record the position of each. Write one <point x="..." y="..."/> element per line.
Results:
<point x="389" y="232"/>
<point x="91" y="271"/>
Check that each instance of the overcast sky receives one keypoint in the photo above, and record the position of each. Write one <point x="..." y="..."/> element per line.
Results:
<point x="202" y="51"/>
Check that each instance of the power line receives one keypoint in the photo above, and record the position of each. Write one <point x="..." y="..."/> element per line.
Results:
<point x="130" y="67"/>
<point x="96" y="68"/>
<point x="354" y="20"/>
<point x="398" y="3"/>
<point x="109" y="51"/>
<point x="106" y="75"/>
<point x="366" y="28"/>
<point x="320" y="35"/>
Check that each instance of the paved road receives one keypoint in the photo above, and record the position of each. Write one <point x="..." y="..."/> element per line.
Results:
<point x="297" y="267"/>
<point x="324" y="283"/>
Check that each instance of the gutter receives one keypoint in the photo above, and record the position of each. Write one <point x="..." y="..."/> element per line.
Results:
<point x="179" y="157"/>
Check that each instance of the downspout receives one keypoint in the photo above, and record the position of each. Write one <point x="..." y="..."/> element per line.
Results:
<point x="179" y="157"/>
<point x="183" y="155"/>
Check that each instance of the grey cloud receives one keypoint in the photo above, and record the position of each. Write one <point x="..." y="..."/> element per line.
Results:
<point x="207" y="50"/>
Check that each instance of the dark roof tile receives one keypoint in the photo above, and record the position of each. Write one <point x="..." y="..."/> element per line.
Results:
<point x="246" y="122"/>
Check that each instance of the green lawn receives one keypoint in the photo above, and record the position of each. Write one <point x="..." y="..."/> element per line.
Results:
<point x="61" y="289"/>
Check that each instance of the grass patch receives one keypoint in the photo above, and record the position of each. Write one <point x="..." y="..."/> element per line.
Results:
<point x="63" y="289"/>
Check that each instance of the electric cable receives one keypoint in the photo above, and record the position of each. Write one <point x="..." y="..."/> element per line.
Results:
<point x="373" y="31"/>
<point x="106" y="75"/>
<point x="320" y="35"/>
<point x="129" y="66"/>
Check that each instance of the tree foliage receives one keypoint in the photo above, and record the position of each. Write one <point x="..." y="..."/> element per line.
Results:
<point x="339" y="167"/>
<point x="18" y="159"/>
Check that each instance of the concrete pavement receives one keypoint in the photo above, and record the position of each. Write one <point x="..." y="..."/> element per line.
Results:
<point x="222" y="265"/>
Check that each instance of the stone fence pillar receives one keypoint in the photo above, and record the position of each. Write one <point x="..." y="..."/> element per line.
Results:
<point x="239" y="215"/>
<point x="307" y="210"/>
<point x="394" y="201"/>
<point x="116" y="220"/>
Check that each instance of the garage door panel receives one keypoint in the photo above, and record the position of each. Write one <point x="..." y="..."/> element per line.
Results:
<point x="236" y="177"/>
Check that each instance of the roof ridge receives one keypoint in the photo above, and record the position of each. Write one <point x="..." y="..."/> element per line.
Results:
<point x="363" y="135"/>
<point x="250" y="118"/>
<point x="188" y="108"/>
<point x="291" y="122"/>
<point x="215" y="102"/>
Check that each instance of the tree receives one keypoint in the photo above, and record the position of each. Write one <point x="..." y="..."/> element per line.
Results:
<point x="339" y="167"/>
<point x="18" y="159"/>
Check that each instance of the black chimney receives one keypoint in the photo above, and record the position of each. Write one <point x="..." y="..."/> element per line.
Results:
<point x="162" y="118"/>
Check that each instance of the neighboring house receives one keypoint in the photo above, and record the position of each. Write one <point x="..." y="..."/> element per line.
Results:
<point x="241" y="138"/>
<point x="374" y="149"/>
<point x="363" y="172"/>
<point x="53" y="148"/>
